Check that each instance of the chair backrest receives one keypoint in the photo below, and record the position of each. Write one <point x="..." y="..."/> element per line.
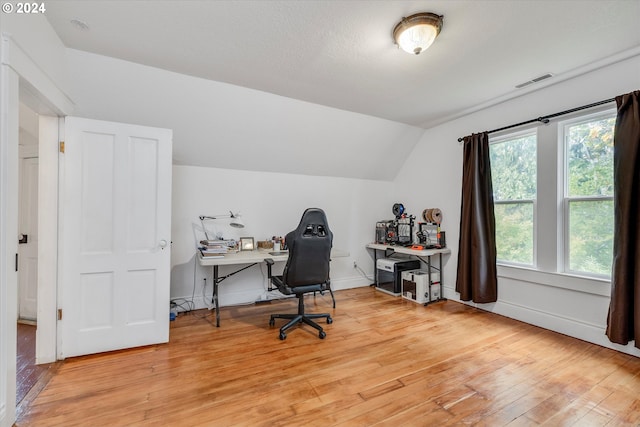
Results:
<point x="309" y="250"/>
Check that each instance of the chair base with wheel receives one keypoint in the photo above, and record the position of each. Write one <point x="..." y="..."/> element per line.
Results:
<point x="300" y="317"/>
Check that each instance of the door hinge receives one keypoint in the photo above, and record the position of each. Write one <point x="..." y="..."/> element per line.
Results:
<point x="62" y="146"/>
<point x="16" y="262"/>
<point x="59" y="314"/>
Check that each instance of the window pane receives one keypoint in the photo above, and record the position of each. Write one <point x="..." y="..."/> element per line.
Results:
<point x="514" y="232"/>
<point x="513" y="168"/>
<point x="590" y="158"/>
<point x="591" y="236"/>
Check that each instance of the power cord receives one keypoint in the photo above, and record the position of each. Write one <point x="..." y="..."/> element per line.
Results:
<point x="361" y="271"/>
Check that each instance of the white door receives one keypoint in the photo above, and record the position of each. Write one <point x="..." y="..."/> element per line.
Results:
<point x="28" y="239"/>
<point x="115" y="224"/>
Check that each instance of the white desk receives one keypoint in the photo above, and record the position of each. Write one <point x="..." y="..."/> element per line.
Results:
<point x="408" y="250"/>
<point x="423" y="255"/>
<point x="243" y="257"/>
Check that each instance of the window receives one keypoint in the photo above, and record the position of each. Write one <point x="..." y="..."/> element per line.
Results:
<point x="553" y="197"/>
<point x="588" y="194"/>
<point x="514" y="172"/>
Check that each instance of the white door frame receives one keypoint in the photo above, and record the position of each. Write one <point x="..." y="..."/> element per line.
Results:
<point x="46" y="338"/>
<point x="9" y="82"/>
<point x="18" y="72"/>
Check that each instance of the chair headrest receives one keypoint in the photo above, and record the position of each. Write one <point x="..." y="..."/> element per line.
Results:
<point x="313" y="222"/>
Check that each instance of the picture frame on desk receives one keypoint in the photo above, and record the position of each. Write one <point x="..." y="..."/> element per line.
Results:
<point x="246" y="244"/>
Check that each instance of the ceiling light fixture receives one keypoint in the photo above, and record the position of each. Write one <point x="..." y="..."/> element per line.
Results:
<point x="415" y="33"/>
<point x="79" y="25"/>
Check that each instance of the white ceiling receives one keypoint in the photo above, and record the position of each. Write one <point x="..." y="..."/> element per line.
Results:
<point x="340" y="53"/>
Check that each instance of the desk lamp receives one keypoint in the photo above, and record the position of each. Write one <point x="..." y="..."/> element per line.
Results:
<point x="235" y="221"/>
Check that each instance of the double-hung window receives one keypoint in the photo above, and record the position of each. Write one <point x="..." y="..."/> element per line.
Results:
<point x="513" y="173"/>
<point x="588" y="194"/>
<point x="553" y="196"/>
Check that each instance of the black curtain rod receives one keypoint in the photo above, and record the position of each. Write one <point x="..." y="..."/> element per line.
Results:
<point x="545" y="119"/>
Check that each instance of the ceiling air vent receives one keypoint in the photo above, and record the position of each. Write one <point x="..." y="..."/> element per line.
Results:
<point x="535" y="80"/>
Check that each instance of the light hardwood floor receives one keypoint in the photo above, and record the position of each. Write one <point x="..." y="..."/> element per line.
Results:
<point x="385" y="361"/>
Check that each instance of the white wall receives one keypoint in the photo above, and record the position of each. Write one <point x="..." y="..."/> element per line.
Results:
<point x="270" y="204"/>
<point x="220" y="125"/>
<point x="431" y="177"/>
<point x="266" y="155"/>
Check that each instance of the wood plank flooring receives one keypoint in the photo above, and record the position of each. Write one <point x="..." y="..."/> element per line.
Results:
<point x="28" y="374"/>
<point x="385" y="362"/>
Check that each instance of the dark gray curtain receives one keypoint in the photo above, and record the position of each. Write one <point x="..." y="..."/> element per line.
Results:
<point x="477" y="278"/>
<point x="623" y="323"/>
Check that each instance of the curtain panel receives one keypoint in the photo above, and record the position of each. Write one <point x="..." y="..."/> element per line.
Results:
<point x="477" y="279"/>
<point x="623" y="323"/>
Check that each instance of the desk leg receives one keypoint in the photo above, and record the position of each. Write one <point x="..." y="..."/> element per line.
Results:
<point x="375" y="268"/>
<point x="215" y="295"/>
<point x="442" y="298"/>
<point x="429" y="278"/>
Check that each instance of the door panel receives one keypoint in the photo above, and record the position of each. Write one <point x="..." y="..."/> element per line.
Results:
<point x="143" y="201"/>
<point x="115" y="220"/>
<point x="28" y="251"/>
<point x="96" y="183"/>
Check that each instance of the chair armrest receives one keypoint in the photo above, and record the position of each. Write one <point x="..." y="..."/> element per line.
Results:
<point x="269" y="262"/>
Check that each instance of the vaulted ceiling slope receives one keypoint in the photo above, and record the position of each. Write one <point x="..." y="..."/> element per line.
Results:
<point x="343" y="90"/>
<point x="340" y="53"/>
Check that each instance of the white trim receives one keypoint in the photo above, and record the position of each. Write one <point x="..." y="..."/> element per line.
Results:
<point x="510" y="134"/>
<point x="19" y="60"/>
<point x="600" y="112"/>
<point x="48" y="239"/>
<point x="9" y="131"/>
<point x="589" y="285"/>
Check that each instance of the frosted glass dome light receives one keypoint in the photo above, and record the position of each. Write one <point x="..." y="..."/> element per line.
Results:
<point x="415" y="33"/>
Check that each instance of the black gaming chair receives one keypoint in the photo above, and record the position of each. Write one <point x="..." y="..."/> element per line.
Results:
<point x="307" y="269"/>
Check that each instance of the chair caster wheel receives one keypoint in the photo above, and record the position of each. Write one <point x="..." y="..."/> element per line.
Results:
<point x="272" y="322"/>
<point x="283" y="336"/>
<point x="322" y="334"/>
<point x="329" y="320"/>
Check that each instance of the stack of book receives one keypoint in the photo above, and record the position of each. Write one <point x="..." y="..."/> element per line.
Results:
<point x="213" y="248"/>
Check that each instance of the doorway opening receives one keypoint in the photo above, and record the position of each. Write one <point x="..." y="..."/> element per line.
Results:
<point x="27" y="372"/>
<point x="36" y="279"/>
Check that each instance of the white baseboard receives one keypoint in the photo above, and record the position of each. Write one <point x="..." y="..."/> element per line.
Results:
<point x="575" y="328"/>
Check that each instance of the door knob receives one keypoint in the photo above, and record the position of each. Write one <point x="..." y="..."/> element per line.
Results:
<point x="163" y="244"/>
